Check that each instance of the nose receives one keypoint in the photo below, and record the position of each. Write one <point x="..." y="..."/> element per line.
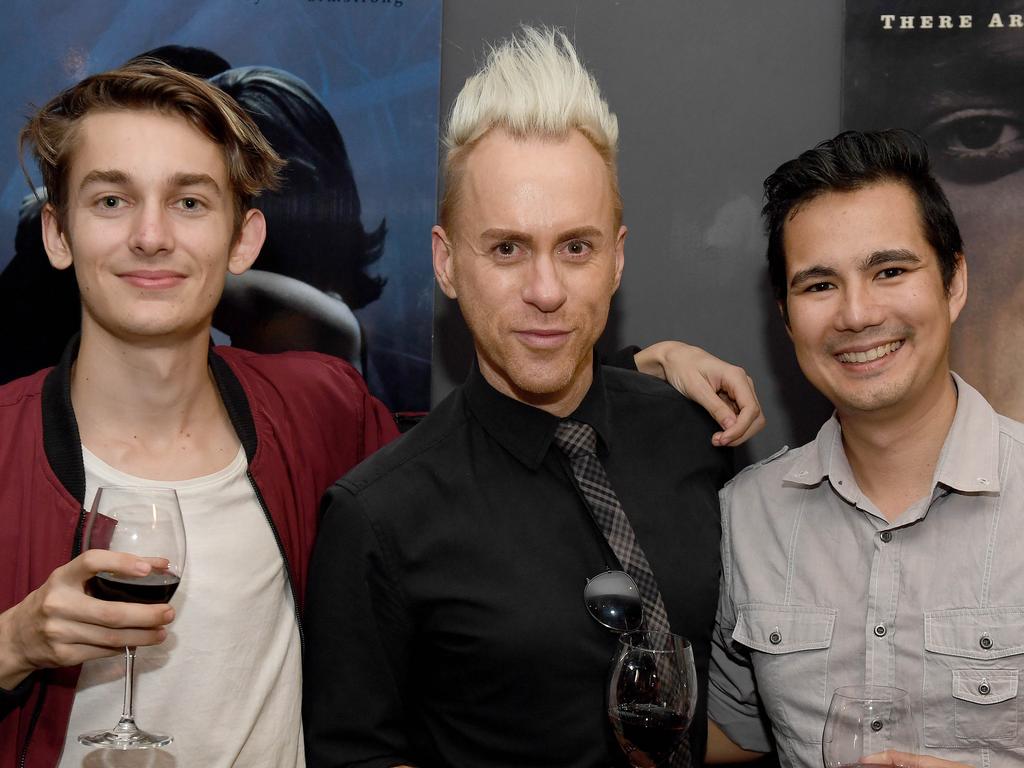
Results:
<point x="544" y="287"/>
<point x="859" y="309"/>
<point x="151" y="231"/>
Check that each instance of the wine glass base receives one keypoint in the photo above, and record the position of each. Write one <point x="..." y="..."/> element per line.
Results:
<point x="116" y="739"/>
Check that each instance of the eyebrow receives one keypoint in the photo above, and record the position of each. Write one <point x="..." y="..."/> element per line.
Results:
<point x="177" y="180"/>
<point x="817" y="272"/>
<point x="498" y="233"/>
<point x="872" y="261"/>
<point x="104" y="177"/>
<point x="194" y="180"/>
<point x="889" y="256"/>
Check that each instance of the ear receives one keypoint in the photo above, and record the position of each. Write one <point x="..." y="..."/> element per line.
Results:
<point x="58" y="249"/>
<point x="781" y="304"/>
<point x="248" y="243"/>
<point x="620" y="255"/>
<point x="444" y="264"/>
<point x="957" y="294"/>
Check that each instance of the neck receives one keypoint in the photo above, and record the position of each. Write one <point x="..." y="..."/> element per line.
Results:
<point x="894" y="454"/>
<point x="150" y="409"/>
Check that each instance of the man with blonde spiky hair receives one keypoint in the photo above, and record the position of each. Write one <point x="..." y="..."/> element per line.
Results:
<point x="447" y="623"/>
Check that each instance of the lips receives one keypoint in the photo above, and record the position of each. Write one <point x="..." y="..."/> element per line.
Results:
<point x="869" y="355"/>
<point x="542" y="338"/>
<point x="152" y="279"/>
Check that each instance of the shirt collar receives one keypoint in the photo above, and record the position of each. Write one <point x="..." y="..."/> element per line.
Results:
<point x="527" y="432"/>
<point x="969" y="461"/>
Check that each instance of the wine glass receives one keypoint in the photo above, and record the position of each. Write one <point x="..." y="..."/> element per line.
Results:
<point x="866" y="720"/>
<point x="652" y="695"/>
<point x="145" y="522"/>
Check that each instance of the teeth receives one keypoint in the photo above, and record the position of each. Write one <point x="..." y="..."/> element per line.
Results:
<point x="871" y="354"/>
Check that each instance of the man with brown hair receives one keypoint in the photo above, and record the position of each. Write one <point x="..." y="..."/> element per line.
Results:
<point x="150" y="175"/>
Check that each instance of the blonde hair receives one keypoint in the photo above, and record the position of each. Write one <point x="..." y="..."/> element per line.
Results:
<point x="51" y="133"/>
<point x="532" y="86"/>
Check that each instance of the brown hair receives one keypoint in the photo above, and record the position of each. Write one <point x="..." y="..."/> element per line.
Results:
<point x="253" y="165"/>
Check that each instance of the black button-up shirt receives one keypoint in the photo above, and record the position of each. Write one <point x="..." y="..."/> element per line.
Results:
<point x="445" y="618"/>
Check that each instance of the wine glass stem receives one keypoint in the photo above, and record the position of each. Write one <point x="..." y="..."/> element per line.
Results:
<point x="128" y="710"/>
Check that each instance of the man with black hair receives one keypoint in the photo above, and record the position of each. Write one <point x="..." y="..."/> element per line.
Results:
<point x="885" y="551"/>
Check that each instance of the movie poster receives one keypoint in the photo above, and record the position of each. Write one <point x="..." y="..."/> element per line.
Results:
<point x="953" y="72"/>
<point x="346" y="90"/>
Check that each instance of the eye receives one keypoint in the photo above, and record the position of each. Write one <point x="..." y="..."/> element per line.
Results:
<point x="110" y="202"/>
<point x="817" y="287"/>
<point x="190" y="204"/>
<point x="506" y="250"/>
<point x="890" y="272"/>
<point x="578" y="249"/>
<point x="975" y="146"/>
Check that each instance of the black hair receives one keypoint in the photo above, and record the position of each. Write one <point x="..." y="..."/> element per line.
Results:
<point x="201" y="62"/>
<point x="851" y="161"/>
<point x="315" y="231"/>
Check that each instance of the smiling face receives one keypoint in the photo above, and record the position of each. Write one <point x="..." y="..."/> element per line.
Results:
<point x="868" y="315"/>
<point x="534" y="258"/>
<point x="149" y="226"/>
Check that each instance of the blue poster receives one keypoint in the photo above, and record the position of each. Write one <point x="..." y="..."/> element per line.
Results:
<point x="346" y="90"/>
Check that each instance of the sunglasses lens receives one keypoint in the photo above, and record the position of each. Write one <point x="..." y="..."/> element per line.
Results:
<point x="614" y="601"/>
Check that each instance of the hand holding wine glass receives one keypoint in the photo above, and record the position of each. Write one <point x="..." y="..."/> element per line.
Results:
<point x="59" y="625"/>
<point x="652" y="695"/>
<point x="867" y="725"/>
<point x="145" y="522"/>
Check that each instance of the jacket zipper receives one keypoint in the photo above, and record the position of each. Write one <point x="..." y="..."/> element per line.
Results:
<point x="76" y="550"/>
<point x="284" y="557"/>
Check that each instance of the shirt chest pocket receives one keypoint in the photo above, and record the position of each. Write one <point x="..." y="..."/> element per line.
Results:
<point x="973" y="663"/>
<point x="790" y="649"/>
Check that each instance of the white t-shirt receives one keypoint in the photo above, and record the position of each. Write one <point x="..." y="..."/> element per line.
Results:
<point x="227" y="681"/>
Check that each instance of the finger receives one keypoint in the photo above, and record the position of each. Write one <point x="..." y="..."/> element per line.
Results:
<point x="749" y="418"/>
<point x="896" y="758"/>
<point x="94" y="561"/>
<point x="105" y="637"/>
<point x="748" y="423"/>
<point x="74" y="606"/>
<point x="702" y="393"/>
<point x="117" y="615"/>
<point x="158" y="564"/>
<point x="72" y="644"/>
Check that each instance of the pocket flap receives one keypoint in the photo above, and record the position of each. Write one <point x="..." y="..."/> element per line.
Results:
<point x="784" y="628"/>
<point x="975" y="633"/>
<point x="984" y="686"/>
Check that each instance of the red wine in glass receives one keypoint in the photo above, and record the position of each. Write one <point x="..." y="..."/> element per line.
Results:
<point x="648" y="729"/>
<point x="652" y="695"/>
<point x="145" y="522"/>
<point x="155" y="587"/>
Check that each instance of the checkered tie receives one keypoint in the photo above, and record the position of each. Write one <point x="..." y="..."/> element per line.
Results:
<point x="579" y="442"/>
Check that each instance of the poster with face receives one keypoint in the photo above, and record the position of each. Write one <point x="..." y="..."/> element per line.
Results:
<point x="345" y="90"/>
<point x="953" y="72"/>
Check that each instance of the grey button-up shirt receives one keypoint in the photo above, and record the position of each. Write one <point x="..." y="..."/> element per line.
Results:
<point x="819" y="590"/>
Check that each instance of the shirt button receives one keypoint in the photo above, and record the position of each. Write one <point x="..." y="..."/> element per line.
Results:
<point x="885" y="536"/>
<point x="985" y="642"/>
<point x="876" y="725"/>
<point x="775" y="637"/>
<point x="880" y="630"/>
<point x="984" y="688"/>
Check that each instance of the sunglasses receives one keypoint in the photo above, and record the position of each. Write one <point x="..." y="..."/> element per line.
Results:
<point x="614" y="602"/>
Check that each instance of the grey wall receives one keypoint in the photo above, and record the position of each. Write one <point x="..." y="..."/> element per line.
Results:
<point x="711" y="97"/>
